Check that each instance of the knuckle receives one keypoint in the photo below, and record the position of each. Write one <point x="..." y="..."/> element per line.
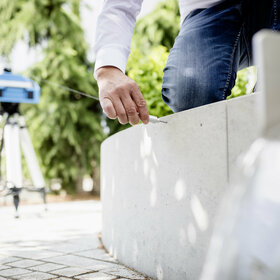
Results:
<point x="120" y="89"/>
<point x="131" y="111"/>
<point x="141" y="103"/>
<point x="107" y="107"/>
<point x="133" y="85"/>
<point x="122" y="115"/>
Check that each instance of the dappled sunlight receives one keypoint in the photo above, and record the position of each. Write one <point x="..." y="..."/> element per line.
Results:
<point x="135" y="251"/>
<point x="191" y="234"/>
<point x="199" y="213"/>
<point x="146" y="145"/>
<point x="155" y="159"/>
<point x="182" y="237"/>
<point x="180" y="189"/>
<point x="153" y="197"/>
<point x="113" y="184"/>
<point x="153" y="177"/>
<point x="159" y="272"/>
<point x="146" y="167"/>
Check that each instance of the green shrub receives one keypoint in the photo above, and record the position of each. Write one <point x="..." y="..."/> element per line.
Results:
<point x="146" y="71"/>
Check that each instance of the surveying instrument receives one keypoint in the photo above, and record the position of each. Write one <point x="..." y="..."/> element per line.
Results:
<point x="16" y="89"/>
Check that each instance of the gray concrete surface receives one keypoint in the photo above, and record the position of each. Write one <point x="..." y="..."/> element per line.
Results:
<point x="162" y="183"/>
<point x="61" y="243"/>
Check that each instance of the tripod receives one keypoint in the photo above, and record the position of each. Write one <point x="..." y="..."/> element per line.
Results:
<point x="15" y="139"/>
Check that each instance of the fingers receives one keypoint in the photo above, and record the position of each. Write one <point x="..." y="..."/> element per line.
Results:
<point x="108" y="108"/>
<point x="120" y="110"/>
<point x="141" y="105"/>
<point x="131" y="109"/>
<point x="120" y="97"/>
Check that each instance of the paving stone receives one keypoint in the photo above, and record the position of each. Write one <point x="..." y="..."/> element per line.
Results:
<point x="124" y="272"/>
<point x="77" y="261"/>
<point x="96" y="254"/>
<point x="71" y="248"/>
<point x="47" y="267"/>
<point x="25" y="263"/>
<point x="71" y="271"/>
<point x="35" y="276"/>
<point x="7" y="259"/>
<point x="13" y="272"/>
<point x="62" y="241"/>
<point x="34" y="254"/>
<point x="96" y="276"/>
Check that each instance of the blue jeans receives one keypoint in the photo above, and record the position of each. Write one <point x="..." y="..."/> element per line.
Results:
<point x="213" y="44"/>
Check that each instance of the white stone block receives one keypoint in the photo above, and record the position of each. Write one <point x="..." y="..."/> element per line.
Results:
<point x="267" y="58"/>
<point x="244" y="126"/>
<point x="160" y="189"/>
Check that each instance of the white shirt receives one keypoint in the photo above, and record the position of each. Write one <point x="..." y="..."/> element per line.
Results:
<point x="115" y="27"/>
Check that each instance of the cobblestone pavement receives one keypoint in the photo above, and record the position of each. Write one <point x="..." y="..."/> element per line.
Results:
<point x="61" y="243"/>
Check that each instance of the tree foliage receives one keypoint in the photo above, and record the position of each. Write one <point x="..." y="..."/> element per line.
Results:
<point x="160" y="27"/>
<point x="65" y="128"/>
<point x="148" y="75"/>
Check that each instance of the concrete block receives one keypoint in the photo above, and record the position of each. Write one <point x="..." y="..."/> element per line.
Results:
<point x="267" y="58"/>
<point x="161" y="184"/>
<point x="244" y="126"/>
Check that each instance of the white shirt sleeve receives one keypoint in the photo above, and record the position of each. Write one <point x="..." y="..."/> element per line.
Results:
<point x="114" y="32"/>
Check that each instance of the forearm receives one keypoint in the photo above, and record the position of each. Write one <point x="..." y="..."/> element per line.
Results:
<point x="114" y="32"/>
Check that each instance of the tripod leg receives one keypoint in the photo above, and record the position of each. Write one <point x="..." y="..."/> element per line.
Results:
<point x="31" y="159"/>
<point x="16" y="203"/>
<point x="13" y="158"/>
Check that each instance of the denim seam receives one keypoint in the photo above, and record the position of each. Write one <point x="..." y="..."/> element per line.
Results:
<point x="246" y="46"/>
<point x="232" y="57"/>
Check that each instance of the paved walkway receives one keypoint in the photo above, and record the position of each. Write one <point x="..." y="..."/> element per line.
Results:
<point x="61" y="243"/>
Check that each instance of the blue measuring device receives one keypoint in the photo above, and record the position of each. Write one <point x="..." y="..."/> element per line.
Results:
<point x="18" y="89"/>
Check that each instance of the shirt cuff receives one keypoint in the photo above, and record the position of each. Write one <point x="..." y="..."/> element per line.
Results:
<point x="111" y="56"/>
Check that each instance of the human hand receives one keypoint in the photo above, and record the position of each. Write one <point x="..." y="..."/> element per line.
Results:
<point x="120" y="97"/>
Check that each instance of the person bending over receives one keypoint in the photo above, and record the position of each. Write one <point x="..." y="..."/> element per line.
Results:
<point x="214" y="42"/>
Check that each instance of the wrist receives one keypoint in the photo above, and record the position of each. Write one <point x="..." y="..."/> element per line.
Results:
<point x="104" y="71"/>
